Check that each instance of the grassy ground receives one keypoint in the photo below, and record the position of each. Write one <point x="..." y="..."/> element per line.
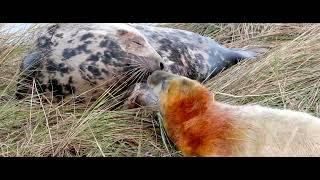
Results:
<point x="287" y="76"/>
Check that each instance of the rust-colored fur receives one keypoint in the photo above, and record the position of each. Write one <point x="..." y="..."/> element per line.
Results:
<point x="201" y="126"/>
<point x="193" y="121"/>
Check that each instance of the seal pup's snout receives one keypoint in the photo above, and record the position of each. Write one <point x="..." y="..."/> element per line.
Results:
<point x="157" y="77"/>
<point x="158" y="80"/>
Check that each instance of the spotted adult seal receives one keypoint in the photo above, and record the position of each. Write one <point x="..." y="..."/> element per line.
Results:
<point x="73" y="59"/>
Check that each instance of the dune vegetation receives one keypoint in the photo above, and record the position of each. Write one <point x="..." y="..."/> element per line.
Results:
<point x="286" y="76"/>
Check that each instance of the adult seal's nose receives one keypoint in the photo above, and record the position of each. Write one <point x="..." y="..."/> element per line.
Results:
<point x="158" y="65"/>
<point x="161" y="66"/>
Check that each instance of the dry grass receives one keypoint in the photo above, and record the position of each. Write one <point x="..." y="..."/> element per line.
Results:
<point x="287" y="76"/>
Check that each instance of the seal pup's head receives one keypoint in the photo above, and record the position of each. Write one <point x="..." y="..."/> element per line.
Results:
<point x="195" y="123"/>
<point x="179" y="95"/>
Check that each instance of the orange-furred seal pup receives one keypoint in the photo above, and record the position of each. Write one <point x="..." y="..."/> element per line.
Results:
<point x="200" y="126"/>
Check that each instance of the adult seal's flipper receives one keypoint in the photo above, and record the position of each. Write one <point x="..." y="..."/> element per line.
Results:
<point x="249" y="52"/>
<point x="28" y="68"/>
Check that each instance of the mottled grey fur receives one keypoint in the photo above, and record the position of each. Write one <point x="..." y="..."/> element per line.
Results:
<point x="71" y="59"/>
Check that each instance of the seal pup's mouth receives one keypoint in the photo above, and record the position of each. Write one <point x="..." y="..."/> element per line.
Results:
<point x="158" y="81"/>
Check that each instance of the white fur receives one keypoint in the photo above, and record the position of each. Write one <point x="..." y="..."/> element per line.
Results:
<point x="264" y="131"/>
<point x="276" y="132"/>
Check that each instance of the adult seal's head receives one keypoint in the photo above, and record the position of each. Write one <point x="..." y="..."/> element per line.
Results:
<point x="70" y="59"/>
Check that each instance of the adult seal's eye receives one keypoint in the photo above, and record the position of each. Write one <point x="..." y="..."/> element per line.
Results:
<point x="137" y="43"/>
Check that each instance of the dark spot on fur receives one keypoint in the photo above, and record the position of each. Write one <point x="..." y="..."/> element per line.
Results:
<point x="51" y="66"/>
<point x="109" y="44"/>
<point x="32" y="61"/>
<point x="179" y="50"/>
<point x="83" y="48"/>
<point x="69" y="88"/>
<point x="165" y="44"/>
<point x="106" y="57"/>
<point x="56" y="88"/>
<point x="87" y="42"/>
<point x="122" y="32"/>
<point x="68" y="53"/>
<point x="104" y="71"/>
<point x="103" y="43"/>
<point x="192" y="72"/>
<point x="86" y="36"/>
<point x="70" y="81"/>
<point x="94" y="57"/>
<point x="81" y="67"/>
<point x="175" y="54"/>
<point x="44" y="42"/>
<point x="86" y="76"/>
<point x="59" y="35"/>
<point x="94" y="70"/>
<point x="70" y="41"/>
<point x="52" y="29"/>
<point x="63" y="69"/>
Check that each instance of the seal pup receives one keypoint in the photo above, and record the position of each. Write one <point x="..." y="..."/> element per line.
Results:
<point x="87" y="60"/>
<point x="201" y="126"/>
